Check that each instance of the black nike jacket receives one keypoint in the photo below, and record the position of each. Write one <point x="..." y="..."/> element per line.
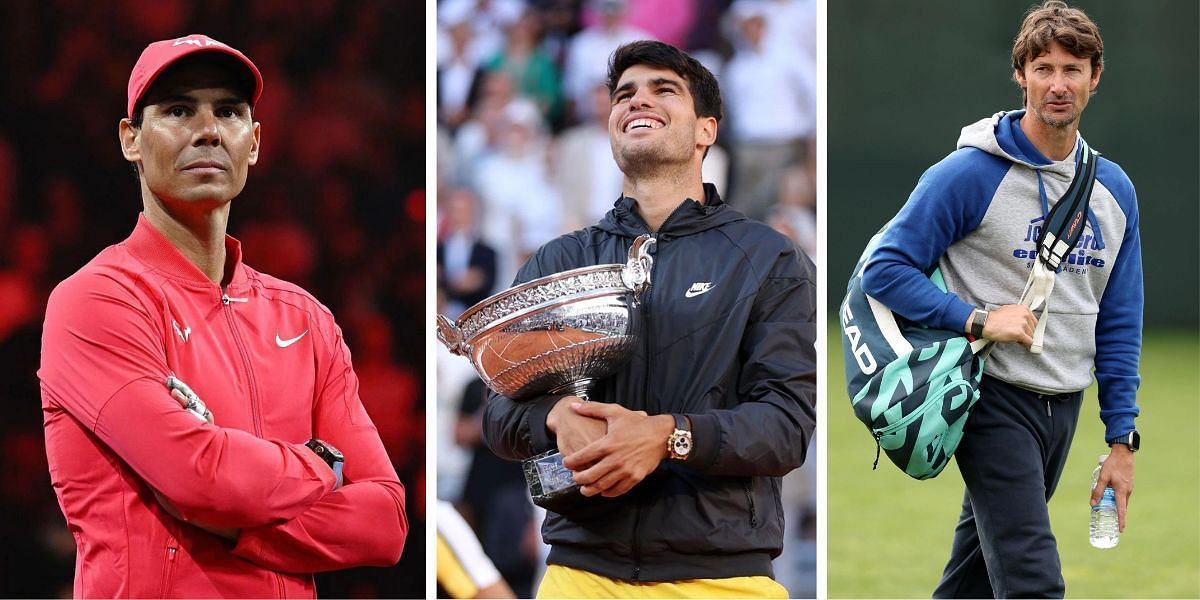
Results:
<point x="728" y="340"/>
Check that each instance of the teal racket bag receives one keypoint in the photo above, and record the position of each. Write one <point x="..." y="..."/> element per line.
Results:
<point x="911" y="385"/>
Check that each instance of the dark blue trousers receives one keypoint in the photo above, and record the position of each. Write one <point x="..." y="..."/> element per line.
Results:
<point x="1012" y="453"/>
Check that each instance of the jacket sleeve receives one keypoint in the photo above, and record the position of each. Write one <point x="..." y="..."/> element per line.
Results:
<point x="768" y="432"/>
<point x="949" y="202"/>
<point x="363" y="523"/>
<point x="103" y="361"/>
<point x="1119" y="322"/>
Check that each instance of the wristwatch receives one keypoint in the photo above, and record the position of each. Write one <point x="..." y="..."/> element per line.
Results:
<point x="978" y="318"/>
<point x="679" y="444"/>
<point x="332" y="457"/>
<point x="1133" y="439"/>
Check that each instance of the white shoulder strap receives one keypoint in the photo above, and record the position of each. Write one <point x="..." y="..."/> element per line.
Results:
<point x="1037" y="295"/>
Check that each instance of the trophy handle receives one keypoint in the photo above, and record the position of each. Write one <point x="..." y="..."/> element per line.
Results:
<point x="451" y="336"/>
<point x="636" y="274"/>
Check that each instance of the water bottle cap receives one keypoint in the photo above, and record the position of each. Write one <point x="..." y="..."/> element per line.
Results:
<point x="1103" y="457"/>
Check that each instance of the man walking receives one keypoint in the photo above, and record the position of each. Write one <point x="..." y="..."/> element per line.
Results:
<point x="976" y="215"/>
<point x="679" y="455"/>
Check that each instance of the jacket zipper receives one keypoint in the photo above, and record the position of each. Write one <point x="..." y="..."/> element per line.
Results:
<point x="637" y="550"/>
<point x="237" y="338"/>
<point x="907" y="419"/>
<point x="750" y="501"/>
<point x="168" y="570"/>
<point x="637" y="515"/>
<point x="656" y="251"/>
<point x="255" y="410"/>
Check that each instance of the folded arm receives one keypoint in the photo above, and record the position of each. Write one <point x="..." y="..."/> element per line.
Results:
<point x="104" y="363"/>
<point x="363" y="523"/>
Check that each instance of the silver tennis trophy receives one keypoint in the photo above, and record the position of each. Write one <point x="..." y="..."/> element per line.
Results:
<point x="554" y="335"/>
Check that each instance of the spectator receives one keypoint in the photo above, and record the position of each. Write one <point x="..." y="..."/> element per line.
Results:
<point x="531" y="69"/>
<point x="585" y="175"/>
<point x="763" y="147"/>
<point x="466" y="265"/>
<point x="521" y="204"/>
<point x="587" y="55"/>
<point x="458" y="63"/>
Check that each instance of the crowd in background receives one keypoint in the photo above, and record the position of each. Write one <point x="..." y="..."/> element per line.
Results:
<point x="524" y="156"/>
<point x="336" y="204"/>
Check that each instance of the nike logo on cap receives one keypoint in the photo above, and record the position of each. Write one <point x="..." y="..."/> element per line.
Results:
<point x="282" y="343"/>
<point x="700" y="287"/>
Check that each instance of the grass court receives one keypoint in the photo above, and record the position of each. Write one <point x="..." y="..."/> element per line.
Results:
<point x="889" y="535"/>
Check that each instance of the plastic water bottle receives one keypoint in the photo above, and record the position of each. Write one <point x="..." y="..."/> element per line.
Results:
<point x="1103" y="531"/>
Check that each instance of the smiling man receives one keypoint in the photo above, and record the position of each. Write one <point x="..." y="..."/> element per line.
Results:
<point x="976" y="216"/>
<point x="232" y="484"/>
<point x="679" y="454"/>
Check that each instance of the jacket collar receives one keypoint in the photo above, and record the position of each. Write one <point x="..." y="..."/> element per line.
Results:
<point x="153" y="248"/>
<point x="687" y="218"/>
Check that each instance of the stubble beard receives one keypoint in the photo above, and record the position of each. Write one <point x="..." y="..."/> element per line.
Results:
<point x="645" y="160"/>
<point x="1062" y="123"/>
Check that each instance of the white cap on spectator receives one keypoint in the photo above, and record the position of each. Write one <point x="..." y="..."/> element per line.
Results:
<point x="525" y="113"/>
<point x="456" y="12"/>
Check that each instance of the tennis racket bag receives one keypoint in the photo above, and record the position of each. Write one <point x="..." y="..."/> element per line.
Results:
<point x="914" y="386"/>
<point x="911" y="385"/>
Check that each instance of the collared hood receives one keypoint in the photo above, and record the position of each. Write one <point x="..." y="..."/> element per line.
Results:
<point x="1001" y="135"/>
<point x="687" y="218"/>
<point x="153" y="248"/>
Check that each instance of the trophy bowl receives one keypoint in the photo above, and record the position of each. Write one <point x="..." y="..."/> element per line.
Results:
<point x="557" y="333"/>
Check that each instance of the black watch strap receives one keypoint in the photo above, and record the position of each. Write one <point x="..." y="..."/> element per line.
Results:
<point x="332" y="456"/>
<point x="1133" y="439"/>
<point x="681" y="422"/>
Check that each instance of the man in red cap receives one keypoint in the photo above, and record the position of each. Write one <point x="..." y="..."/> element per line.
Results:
<point x="231" y="484"/>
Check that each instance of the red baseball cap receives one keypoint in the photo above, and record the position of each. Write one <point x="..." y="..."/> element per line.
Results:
<point x="158" y="56"/>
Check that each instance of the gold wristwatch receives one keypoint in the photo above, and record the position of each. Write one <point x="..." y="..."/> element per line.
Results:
<point x="679" y="443"/>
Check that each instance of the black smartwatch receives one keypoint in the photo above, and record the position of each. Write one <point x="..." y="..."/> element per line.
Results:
<point x="978" y="318"/>
<point x="1133" y="439"/>
<point x="332" y="457"/>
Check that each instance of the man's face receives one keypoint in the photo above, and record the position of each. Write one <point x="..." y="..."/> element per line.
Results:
<point x="1057" y="85"/>
<point x="653" y="121"/>
<point x="197" y="139"/>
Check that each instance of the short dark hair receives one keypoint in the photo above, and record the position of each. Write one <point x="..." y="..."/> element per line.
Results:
<point x="1054" y="21"/>
<point x="706" y="93"/>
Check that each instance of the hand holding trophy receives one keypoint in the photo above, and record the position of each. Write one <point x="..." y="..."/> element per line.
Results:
<point x="554" y="335"/>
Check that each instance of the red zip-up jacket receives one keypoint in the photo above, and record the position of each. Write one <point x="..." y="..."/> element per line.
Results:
<point x="270" y="363"/>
